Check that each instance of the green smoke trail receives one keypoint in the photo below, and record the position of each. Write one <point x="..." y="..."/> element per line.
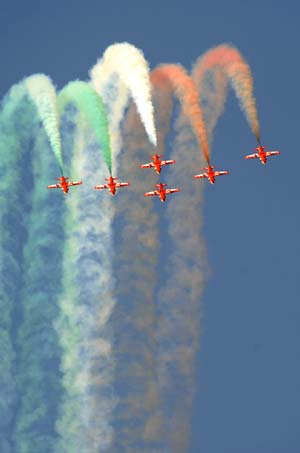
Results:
<point x="85" y="308"/>
<point x="90" y="104"/>
<point x="38" y="375"/>
<point x="43" y="95"/>
<point x="14" y="202"/>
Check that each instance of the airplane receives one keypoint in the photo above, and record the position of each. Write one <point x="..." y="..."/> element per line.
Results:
<point x="111" y="185"/>
<point x="210" y="174"/>
<point x="157" y="163"/>
<point x="262" y="154"/>
<point x="161" y="192"/>
<point x="64" y="184"/>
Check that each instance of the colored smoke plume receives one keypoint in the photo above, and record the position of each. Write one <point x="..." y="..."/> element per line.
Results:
<point x="91" y="106"/>
<point x="238" y="72"/>
<point x="121" y="71"/>
<point x="185" y="90"/>
<point x="43" y="94"/>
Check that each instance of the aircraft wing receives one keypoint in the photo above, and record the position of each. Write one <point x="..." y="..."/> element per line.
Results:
<point x="151" y="194"/>
<point x="272" y="153"/>
<point x="252" y="156"/>
<point x="54" y="186"/>
<point x="122" y="184"/>
<point x="101" y="186"/>
<point x="147" y="165"/>
<point x="168" y="162"/>
<point x="221" y="173"/>
<point x="74" y="183"/>
<point x="172" y="190"/>
<point x="202" y="175"/>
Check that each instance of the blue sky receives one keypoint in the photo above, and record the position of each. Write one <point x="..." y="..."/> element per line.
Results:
<point x="248" y="395"/>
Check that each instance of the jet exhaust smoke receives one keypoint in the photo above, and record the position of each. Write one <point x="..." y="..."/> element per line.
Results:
<point x="238" y="72"/>
<point x="13" y="200"/>
<point x="43" y="95"/>
<point x="38" y="376"/>
<point x="86" y="306"/>
<point x="90" y="104"/>
<point x="125" y="66"/>
<point x="185" y="89"/>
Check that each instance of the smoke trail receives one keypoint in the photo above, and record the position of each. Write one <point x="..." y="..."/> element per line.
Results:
<point x="124" y="69"/>
<point x="91" y="105"/>
<point x="142" y="412"/>
<point x="213" y="89"/>
<point x="86" y="306"/>
<point x="42" y="92"/>
<point x="179" y="296"/>
<point x="238" y="72"/>
<point x="135" y="270"/>
<point x="13" y="203"/>
<point x="176" y="317"/>
<point x="38" y="376"/>
<point x="187" y="93"/>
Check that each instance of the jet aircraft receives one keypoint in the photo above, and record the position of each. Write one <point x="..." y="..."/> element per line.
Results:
<point x="157" y="163"/>
<point x="262" y="154"/>
<point x="210" y="174"/>
<point x="64" y="184"/>
<point x="161" y="192"/>
<point x="111" y="185"/>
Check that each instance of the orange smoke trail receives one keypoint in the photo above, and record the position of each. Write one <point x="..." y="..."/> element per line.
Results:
<point x="213" y="92"/>
<point x="136" y="249"/>
<point x="153" y="360"/>
<point x="181" y="265"/>
<point x="238" y="72"/>
<point x="174" y="77"/>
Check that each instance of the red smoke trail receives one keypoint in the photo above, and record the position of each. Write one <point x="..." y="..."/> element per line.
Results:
<point x="174" y="77"/>
<point x="238" y="72"/>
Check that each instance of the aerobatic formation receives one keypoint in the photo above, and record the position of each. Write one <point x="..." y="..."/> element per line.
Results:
<point x="223" y="57"/>
<point x="100" y="295"/>
<point x="209" y="173"/>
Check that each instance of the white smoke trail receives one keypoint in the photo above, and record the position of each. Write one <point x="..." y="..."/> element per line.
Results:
<point x="121" y="71"/>
<point x="43" y="95"/>
<point x="85" y="424"/>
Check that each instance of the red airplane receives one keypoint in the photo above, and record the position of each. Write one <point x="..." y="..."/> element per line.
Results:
<point x="111" y="185"/>
<point x="64" y="184"/>
<point x="210" y="174"/>
<point x="161" y="192"/>
<point x="157" y="163"/>
<point x="262" y="154"/>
